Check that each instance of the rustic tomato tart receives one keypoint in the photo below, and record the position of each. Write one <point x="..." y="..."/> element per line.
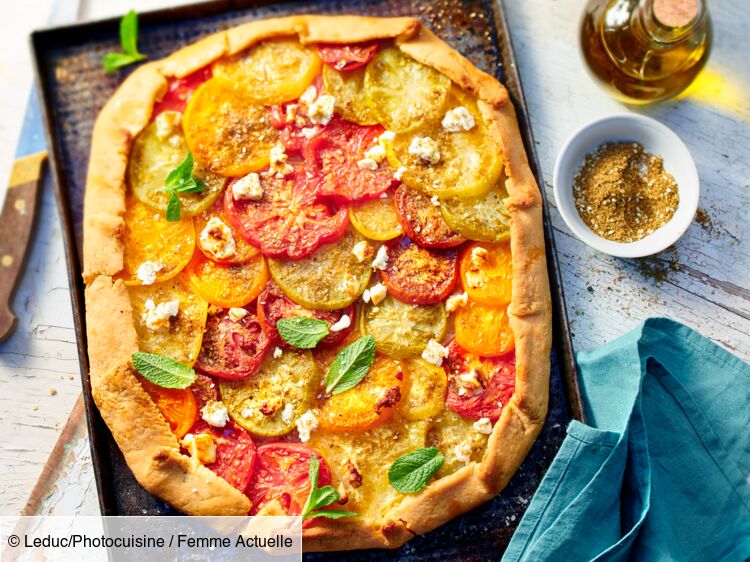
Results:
<point x="316" y="279"/>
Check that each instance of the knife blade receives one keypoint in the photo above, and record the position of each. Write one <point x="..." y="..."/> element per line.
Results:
<point x="19" y="210"/>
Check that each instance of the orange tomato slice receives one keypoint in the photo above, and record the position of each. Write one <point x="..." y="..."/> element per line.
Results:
<point x="150" y="237"/>
<point x="483" y="329"/>
<point x="368" y="404"/>
<point x="178" y="406"/>
<point x="228" y="286"/>
<point x="487" y="272"/>
<point x="244" y="250"/>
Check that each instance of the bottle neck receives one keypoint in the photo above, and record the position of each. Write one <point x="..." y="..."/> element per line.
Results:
<point x="670" y="21"/>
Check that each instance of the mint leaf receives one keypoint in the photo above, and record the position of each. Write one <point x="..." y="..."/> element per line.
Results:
<point x="115" y="61"/>
<point x="321" y="497"/>
<point x="411" y="472"/>
<point x="181" y="173"/>
<point x="128" y="42"/>
<point x="302" y="332"/>
<point x="162" y="370"/>
<point x="350" y="366"/>
<point x="173" y="208"/>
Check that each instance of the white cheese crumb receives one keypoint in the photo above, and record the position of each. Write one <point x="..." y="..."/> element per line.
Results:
<point x="343" y="323"/>
<point x="378" y="292"/>
<point x="306" y="423"/>
<point x="248" y="187"/>
<point x="456" y="301"/>
<point x="277" y="352"/>
<point x="278" y="161"/>
<point x="399" y="173"/>
<point x="376" y="153"/>
<point x="458" y="119"/>
<point x="166" y="123"/>
<point x="434" y="353"/>
<point x="367" y="164"/>
<point x="217" y="239"/>
<point x="147" y="271"/>
<point x="426" y="148"/>
<point x="483" y="425"/>
<point x="287" y="414"/>
<point x="321" y="110"/>
<point x="156" y="317"/>
<point x="309" y="132"/>
<point x="386" y="137"/>
<point x="478" y="256"/>
<point x="381" y="258"/>
<point x="215" y="414"/>
<point x="237" y="314"/>
<point x="463" y="451"/>
<point x="291" y="112"/>
<point x="366" y="295"/>
<point x="468" y="382"/>
<point x="361" y="250"/>
<point x="435" y="200"/>
<point x="309" y="95"/>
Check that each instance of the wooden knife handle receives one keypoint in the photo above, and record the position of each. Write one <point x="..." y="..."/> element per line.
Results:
<point x="16" y="224"/>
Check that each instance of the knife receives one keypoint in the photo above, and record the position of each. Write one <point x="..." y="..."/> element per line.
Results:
<point x="22" y="198"/>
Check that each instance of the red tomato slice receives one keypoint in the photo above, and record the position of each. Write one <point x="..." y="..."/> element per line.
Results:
<point x="291" y="134"/>
<point x="347" y="57"/>
<point x="273" y="305"/>
<point x="422" y="221"/>
<point x="235" y="453"/>
<point x="180" y="90"/>
<point x="232" y="350"/>
<point x="496" y="381"/>
<point x="204" y="389"/>
<point x="282" y="473"/>
<point x="289" y="221"/>
<point x="417" y="275"/>
<point x="332" y="157"/>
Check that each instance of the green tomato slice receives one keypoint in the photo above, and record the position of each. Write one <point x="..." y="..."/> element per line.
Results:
<point x="152" y="159"/>
<point x="402" y="330"/>
<point x="348" y="90"/>
<point x="484" y="218"/>
<point x="330" y="279"/>
<point x="269" y="402"/>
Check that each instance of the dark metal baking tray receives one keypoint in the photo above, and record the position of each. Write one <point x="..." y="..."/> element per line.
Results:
<point x="74" y="88"/>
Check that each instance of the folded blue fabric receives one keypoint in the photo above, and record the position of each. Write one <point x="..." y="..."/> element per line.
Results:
<point x="663" y="470"/>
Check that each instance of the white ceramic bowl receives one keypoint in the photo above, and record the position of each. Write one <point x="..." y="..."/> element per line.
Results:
<point x="656" y="139"/>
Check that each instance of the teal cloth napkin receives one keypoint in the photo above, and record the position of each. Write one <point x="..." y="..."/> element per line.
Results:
<point x="663" y="471"/>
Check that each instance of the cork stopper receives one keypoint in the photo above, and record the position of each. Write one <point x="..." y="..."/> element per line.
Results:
<point x="675" y="13"/>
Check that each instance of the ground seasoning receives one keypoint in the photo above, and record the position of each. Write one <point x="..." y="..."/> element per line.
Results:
<point x="623" y="193"/>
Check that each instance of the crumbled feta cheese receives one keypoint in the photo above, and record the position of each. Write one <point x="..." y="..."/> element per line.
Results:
<point x="399" y="173"/>
<point x="156" y="317"/>
<point x="483" y="425"/>
<point x="468" y="382"/>
<point x="248" y="187"/>
<point x="458" y="119"/>
<point x="309" y="132"/>
<point x="478" y="256"/>
<point x="378" y="292"/>
<point x="309" y="95"/>
<point x="386" y="137"/>
<point x="463" y="451"/>
<point x="367" y="164"/>
<point x="217" y="239"/>
<point x="277" y="352"/>
<point x="381" y="258"/>
<point x="343" y="323"/>
<point x="277" y="161"/>
<point x="434" y="353"/>
<point x="237" y="314"/>
<point x="147" y="271"/>
<point x="456" y="301"/>
<point x="291" y="112"/>
<point x="202" y="447"/>
<point x="435" y="200"/>
<point x="366" y="295"/>
<point x="215" y="414"/>
<point x="362" y="250"/>
<point x="426" y="148"/>
<point x="287" y="414"/>
<point x="376" y="153"/>
<point x="166" y="123"/>
<point x="321" y="110"/>
<point x="306" y="423"/>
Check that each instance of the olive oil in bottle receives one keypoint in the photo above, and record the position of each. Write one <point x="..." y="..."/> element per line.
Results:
<point x="645" y="51"/>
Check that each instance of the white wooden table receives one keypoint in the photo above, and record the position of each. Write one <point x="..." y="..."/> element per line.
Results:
<point x="703" y="281"/>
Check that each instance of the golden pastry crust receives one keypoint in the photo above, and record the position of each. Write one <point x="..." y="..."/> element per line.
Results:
<point x="150" y="449"/>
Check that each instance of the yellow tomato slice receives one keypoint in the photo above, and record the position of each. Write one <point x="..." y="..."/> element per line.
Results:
<point x="273" y="71"/>
<point x="484" y="217"/>
<point x="180" y="337"/>
<point x="150" y="237"/>
<point x="244" y="250"/>
<point x="178" y="406"/>
<point x="425" y="386"/>
<point x="483" y="329"/>
<point x="227" y="130"/>
<point x="376" y="219"/>
<point x="347" y="88"/>
<point x="368" y="404"/>
<point x="228" y="286"/>
<point x="487" y="272"/>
